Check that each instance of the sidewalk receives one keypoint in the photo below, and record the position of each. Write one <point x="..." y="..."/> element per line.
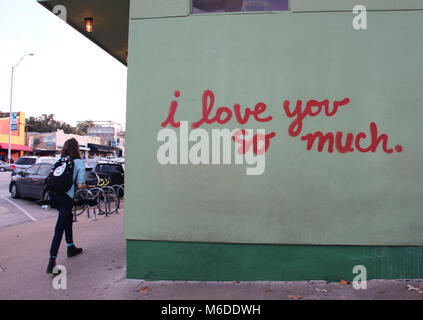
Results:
<point x="99" y="273"/>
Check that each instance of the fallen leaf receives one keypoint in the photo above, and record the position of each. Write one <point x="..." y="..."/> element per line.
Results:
<point x="144" y="290"/>
<point x="344" y="282"/>
<point x="235" y="282"/>
<point x="382" y="291"/>
<point x="267" y="290"/>
<point x="411" y="288"/>
<point x="296" y="297"/>
<point x="321" y="290"/>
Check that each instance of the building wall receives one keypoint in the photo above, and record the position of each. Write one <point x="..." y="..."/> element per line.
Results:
<point x="95" y="140"/>
<point x="45" y="142"/>
<point x="51" y="143"/>
<point x="61" y="138"/>
<point x="106" y="134"/>
<point x="17" y="136"/>
<point x="311" y="214"/>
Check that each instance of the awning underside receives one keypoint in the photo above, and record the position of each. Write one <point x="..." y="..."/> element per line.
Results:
<point x="16" y="147"/>
<point x="111" y="22"/>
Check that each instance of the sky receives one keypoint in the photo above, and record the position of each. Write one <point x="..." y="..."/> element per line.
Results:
<point x="68" y="76"/>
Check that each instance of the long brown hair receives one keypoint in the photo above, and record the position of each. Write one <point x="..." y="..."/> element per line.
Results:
<point x="71" y="149"/>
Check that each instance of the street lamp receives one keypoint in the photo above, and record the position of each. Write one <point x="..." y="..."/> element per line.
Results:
<point x="9" y="153"/>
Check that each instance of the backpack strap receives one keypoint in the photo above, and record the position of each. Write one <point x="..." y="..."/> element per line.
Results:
<point x="74" y="181"/>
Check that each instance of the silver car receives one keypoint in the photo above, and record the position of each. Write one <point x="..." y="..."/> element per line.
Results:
<point x="4" y="166"/>
<point x="24" y="163"/>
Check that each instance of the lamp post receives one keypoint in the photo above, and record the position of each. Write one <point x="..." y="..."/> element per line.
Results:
<point x="9" y="153"/>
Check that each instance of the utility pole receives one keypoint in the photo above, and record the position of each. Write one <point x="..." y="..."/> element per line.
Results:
<point x="9" y="150"/>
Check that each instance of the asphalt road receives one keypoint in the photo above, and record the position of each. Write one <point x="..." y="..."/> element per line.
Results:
<point x="18" y="211"/>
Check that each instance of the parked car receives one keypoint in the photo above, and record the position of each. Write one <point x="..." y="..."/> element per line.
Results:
<point x="115" y="159"/>
<point x="31" y="182"/>
<point x="105" y="169"/>
<point x="25" y="162"/>
<point x="4" y="166"/>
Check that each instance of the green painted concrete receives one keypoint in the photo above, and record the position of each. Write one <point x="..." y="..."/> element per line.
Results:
<point x="311" y="215"/>
<point x="347" y="5"/>
<point x="154" y="260"/>
<point x="142" y="9"/>
<point x="303" y="197"/>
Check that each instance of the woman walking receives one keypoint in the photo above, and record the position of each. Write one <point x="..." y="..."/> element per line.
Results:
<point x="64" y="203"/>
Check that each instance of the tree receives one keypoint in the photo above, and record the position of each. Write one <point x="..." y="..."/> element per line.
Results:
<point x="46" y="123"/>
<point x="82" y="127"/>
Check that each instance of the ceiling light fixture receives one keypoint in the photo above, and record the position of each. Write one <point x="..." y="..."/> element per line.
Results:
<point x="89" y="24"/>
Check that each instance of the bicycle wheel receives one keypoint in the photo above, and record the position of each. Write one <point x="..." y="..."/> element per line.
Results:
<point x="111" y="200"/>
<point x="119" y="189"/>
<point x="99" y="196"/>
<point x="81" y="195"/>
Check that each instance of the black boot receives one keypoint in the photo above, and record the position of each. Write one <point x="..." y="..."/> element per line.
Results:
<point x="51" y="265"/>
<point x="73" y="251"/>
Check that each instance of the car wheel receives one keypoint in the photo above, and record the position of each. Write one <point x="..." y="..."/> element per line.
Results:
<point x="14" y="191"/>
<point x="2" y="169"/>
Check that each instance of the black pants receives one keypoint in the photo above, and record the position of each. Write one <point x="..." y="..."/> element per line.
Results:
<point x="64" y="204"/>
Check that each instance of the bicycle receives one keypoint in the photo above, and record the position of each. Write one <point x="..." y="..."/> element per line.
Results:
<point x="83" y="195"/>
<point x="106" y="197"/>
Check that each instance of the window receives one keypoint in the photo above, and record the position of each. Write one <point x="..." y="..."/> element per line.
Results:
<point x="212" y="6"/>
<point x="108" y="168"/>
<point x="90" y="164"/>
<point x="25" y="161"/>
<point x="45" y="169"/>
<point x="33" y="169"/>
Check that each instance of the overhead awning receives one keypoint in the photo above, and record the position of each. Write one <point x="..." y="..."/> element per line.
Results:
<point x="16" y="147"/>
<point x="111" y="22"/>
<point x="100" y="148"/>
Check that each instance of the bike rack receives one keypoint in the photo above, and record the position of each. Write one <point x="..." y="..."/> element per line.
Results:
<point x="85" y="207"/>
<point x="105" y="195"/>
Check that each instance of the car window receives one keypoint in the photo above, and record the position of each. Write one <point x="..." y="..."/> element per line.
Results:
<point x="108" y="168"/>
<point x="44" y="169"/>
<point x="47" y="160"/>
<point x="26" y="161"/>
<point x="90" y="164"/>
<point x="33" y="169"/>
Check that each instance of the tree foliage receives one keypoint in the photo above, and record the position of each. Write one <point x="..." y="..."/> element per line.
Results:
<point x="82" y="127"/>
<point x="46" y="123"/>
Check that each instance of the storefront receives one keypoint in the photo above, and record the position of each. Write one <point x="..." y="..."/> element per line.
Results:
<point x="51" y="143"/>
<point x="18" y="148"/>
<point x="102" y="151"/>
<point x="269" y="145"/>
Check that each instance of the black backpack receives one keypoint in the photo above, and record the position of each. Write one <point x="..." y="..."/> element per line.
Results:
<point x="60" y="179"/>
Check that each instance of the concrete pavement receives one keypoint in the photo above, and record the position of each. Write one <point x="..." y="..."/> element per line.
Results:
<point x="99" y="273"/>
<point x="17" y="211"/>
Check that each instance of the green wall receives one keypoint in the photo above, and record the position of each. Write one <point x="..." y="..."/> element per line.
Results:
<point x="158" y="260"/>
<point x="159" y="8"/>
<point x="304" y="197"/>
